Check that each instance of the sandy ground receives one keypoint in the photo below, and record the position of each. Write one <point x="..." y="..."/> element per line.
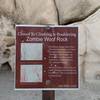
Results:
<point x="86" y="92"/>
<point x="7" y="91"/>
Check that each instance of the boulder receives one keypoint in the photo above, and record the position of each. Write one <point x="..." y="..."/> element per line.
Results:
<point x="6" y="26"/>
<point x="3" y="55"/>
<point x="12" y="57"/>
<point x="36" y="12"/>
<point x="75" y="10"/>
<point x="7" y="7"/>
<point x="7" y="51"/>
<point x="10" y="40"/>
<point x="92" y="57"/>
<point x="30" y="11"/>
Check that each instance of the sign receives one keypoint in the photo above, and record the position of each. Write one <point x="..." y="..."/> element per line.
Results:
<point x="46" y="57"/>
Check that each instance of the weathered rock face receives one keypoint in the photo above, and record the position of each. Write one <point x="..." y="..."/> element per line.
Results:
<point x="30" y="11"/>
<point x="84" y="13"/>
<point x="36" y="11"/>
<point x="92" y="59"/>
<point x="89" y="61"/>
<point x="7" y="42"/>
<point x="7" y="7"/>
<point x="6" y="27"/>
<point x="89" y="47"/>
<point x="75" y="10"/>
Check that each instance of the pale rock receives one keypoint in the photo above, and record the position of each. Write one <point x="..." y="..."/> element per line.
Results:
<point x="44" y="12"/>
<point x="7" y="7"/>
<point x="92" y="57"/>
<point x="93" y="33"/>
<point x="36" y="11"/>
<point x="75" y="10"/>
<point x="3" y="47"/>
<point x="81" y="38"/>
<point x="7" y="54"/>
<point x="7" y="40"/>
<point x="81" y="48"/>
<point x="30" y="11"/>
<point x="6" y="27"/>
<point x="81" y="67"/>
<point x="89" y="47"/>
<point x="10" y="40"/>
<point x="92" y="72"/>
<point x="11" y="59"/>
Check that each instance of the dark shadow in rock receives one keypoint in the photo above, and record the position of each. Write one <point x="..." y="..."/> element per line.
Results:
<point x="5" y="67"/>
<point x="74" y="20"/>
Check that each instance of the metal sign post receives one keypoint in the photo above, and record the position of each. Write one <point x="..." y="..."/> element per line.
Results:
<point x="48" y="95"/>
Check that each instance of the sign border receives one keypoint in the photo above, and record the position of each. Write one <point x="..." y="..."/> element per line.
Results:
<point x="50" y="26"/>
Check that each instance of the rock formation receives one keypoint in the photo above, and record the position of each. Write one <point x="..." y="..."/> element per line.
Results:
<point x="84" y="13"/>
